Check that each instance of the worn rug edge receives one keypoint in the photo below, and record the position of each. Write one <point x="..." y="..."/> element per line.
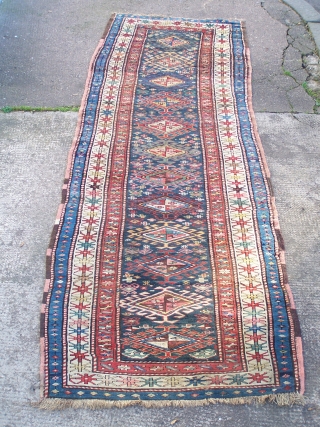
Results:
<point x="273" y="208"/>
<point x="278" y="399"/>
<point x="60" y="211"/>
<point x="58" y="404"/>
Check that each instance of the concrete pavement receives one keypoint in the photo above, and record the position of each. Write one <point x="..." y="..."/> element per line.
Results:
<point x="34" y="148"/>
<point x="61" y="37"/>
<point x="309" y="11"/>
<point x="315" y="4"/>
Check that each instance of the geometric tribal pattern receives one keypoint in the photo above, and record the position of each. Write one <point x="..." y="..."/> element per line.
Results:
<point x="166" y="280"/>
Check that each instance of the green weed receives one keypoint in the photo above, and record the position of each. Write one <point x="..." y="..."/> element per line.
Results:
<point x="286" y="72"/>
<point x="25" y="108"/>
<point x="311" y="93"/>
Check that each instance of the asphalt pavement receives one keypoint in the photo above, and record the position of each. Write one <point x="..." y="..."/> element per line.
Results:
<point x="46" y="47"/>
<point x="45" y="50"/>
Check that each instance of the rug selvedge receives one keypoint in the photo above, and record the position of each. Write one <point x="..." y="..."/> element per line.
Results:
<point x="166" y="281"/>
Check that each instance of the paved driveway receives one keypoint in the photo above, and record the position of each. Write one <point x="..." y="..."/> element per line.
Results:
<point x="45" y="50"/>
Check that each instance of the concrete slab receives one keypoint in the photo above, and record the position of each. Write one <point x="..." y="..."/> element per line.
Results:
<point x="310" y="15"/>
<point x="301" y="39"/>
<point x="300" y="75"/>
<point x="300" y="46"/>
<point x="274" y="97"/>
<point x="315" y="4"/>
<point x="286" y="82"/>
<point x="281" y="12"/>
<point x="298" y="96"/>
<point x="315" y="29"/>
<point x="292" y="60"/>
<point x="33" y="149"/>
<point x="305" y="10"/>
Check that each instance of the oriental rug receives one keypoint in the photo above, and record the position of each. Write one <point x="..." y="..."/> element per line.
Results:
<point x="166" y="281"/>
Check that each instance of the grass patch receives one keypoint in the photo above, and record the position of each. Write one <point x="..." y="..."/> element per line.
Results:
<point x="25" y="108"/>
<point x="311" y="93"/>
<point x="286" y="72"/>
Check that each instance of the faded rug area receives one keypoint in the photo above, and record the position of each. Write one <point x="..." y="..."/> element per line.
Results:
<point x="166" y="281"/>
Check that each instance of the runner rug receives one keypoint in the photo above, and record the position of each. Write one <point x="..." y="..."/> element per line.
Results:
<point x="166" y="280"/>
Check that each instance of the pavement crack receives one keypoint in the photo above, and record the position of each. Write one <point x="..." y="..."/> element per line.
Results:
<point x="294" y="115"/>
<point x="286" y="48"/>
<point x="290" y="103"/>
<point x="299" y="44"/>
<point x="262" y="4"/>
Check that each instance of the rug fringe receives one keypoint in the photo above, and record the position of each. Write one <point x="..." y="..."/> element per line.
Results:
<point x="110" y="22"/>
<point x="59" y="404"/>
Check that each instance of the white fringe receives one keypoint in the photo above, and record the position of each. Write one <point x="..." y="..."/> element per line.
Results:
<point x="285" y="399"/>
